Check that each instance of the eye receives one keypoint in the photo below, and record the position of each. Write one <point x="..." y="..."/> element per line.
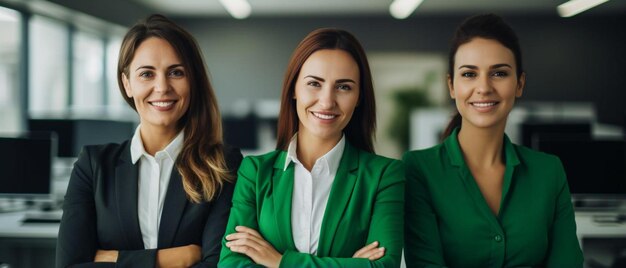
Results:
<point x="344" y="87"/>
<point x="500" y="74"/>
<point x="468" y="74"/>
<point x="146" y="74"/>
<point x="313" y="83"/>
<point x="177" y="73"/>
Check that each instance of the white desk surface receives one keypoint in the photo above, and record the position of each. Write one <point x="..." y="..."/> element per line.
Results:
<point x="588" y="227"/>
<point x="11" y="226"/>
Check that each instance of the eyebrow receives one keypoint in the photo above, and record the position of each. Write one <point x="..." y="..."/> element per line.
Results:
<point x="495" y="66"/>
<point x="336" y="81"/>
<point x="153" y="68"/>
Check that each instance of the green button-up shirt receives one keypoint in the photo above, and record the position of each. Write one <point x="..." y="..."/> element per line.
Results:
<point x="448" y="221"/>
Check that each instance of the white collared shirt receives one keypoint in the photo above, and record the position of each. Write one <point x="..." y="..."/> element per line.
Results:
<point x="310" y="194"/>
<point x="154" y="177"/>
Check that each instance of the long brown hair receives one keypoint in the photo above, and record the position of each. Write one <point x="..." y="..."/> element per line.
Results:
<point x="201" y="161"/>
<point x="489" y="26"/>
<point x="360" y="130"/>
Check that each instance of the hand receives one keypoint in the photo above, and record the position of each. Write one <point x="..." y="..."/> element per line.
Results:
<point x="183" y="256"/>
<point x="371" y="252"/>
<point x="106" y="256"/>
<point x="249" y="242"/>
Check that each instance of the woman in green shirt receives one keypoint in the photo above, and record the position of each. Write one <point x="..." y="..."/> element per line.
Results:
<point x="323" y="198"/>
<point x="477" y="200"/>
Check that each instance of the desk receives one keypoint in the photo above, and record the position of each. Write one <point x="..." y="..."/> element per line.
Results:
<point x="587" y="227"/>
<point x="600" y="241"/>
<point x="33" y="244"/>
<point x="27" y="245"/>
<point x="12" y="227"/>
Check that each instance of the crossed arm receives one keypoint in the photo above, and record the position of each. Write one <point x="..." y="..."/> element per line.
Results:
<point x="78" y="243"/>
<point x="244" y="246"/>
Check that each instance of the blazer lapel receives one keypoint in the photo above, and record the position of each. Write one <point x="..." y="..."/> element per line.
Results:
<point x="173" y="208"/>
<point x="282" y="189"/>
<point x="339" y="197"/>
<point x="126" y="189"/>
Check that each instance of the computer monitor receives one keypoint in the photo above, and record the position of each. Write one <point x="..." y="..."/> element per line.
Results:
<point x="593" y="167"/>
<point x="73" y="134"/>
<point x="26" y="166"/>
<point x="533" y="131"/>
<point x="241" y="132"/>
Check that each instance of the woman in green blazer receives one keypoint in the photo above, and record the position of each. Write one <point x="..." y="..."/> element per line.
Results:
<point x="477" y="200"/>
<point x="323" y="198"/>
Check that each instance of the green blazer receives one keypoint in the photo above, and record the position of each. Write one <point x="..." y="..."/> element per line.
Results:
<point x="448" y="222"/>
<point x="366" y="204"/>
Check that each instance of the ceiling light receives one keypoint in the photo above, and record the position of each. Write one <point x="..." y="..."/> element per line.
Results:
<point x="402" y="9"/>
<point x="239" y="9"/>
<point x="574" y="7"/>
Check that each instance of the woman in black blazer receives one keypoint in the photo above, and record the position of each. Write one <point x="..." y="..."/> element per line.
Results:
<point x="163" y="197"/>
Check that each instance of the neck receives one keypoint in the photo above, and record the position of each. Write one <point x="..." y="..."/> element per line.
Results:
<point x="481" y="147"/>
<point x="156" y="139"/>
<point x="311" y="148"/>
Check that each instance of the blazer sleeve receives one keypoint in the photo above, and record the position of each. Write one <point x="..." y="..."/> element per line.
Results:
<point x="243" y="212"/>
<point x="218" y="216"/>
<point x="421" y="239"/>
<point x="77" y="240"/>
<point x="563" y="250"/>
<point x="385" y="226"/>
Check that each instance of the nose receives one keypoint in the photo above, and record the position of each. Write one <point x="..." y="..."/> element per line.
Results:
<point x="161" y="84"/>
<point x="327" y="97"/>
<point x="484" y="85"/>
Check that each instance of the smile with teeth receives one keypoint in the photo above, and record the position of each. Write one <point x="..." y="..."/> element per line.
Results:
<point x="324" y="116"/>
<point x="162" y="103"/>
<point x="483" y="104"/>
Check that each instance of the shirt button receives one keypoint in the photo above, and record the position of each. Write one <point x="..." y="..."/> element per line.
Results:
<point x="497" y="238"/>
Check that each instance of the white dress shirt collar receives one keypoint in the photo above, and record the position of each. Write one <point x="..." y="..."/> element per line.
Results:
<point x="331" y="158"/>
<point x="137" y="150"/>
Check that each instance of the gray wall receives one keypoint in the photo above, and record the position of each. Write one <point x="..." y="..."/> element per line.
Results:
<point x="573" y="59"/>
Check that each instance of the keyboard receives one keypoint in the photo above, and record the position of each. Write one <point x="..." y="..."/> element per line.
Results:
<point x="38" y="220"/>
<point x="53" y="216"/>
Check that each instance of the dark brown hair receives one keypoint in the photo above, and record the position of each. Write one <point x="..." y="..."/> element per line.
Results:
<point x="360" y="130"/>
<point x="201" y="161"/>
<point x="488" y="26"/>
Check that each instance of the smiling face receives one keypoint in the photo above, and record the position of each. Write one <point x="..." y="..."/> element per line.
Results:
<point x="485" y="84"/>
<point x="158" y="84"/>
<point x="326" y="93"/>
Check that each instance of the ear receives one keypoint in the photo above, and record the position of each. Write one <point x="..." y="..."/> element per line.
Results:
<point x="126" y="83"/>
<point x="521" y="82"/>
<point x="450" y="87"/>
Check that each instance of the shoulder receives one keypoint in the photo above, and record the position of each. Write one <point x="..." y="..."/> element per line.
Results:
<point x="540" y="167"/>
<point x="266" y="158"/>
<point x="105" y="152"/>
<point x="95" y="159"/>
<point x="253" y="163"/>
<point x="371" y="160"/>
<point x="386" y="170"/>
<point x="537" y="160"/>
<point x="426" y="156"/>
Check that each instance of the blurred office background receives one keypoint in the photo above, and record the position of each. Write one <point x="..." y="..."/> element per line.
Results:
<point x="57" y="73"/>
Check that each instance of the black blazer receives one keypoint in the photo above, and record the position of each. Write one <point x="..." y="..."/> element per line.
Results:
<point x="100" y="212"/>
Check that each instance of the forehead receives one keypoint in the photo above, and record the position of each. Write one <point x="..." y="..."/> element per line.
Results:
<point x="483" y="52"/>
<point x="330" y="62"/>
<point x="155" y="50"/>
